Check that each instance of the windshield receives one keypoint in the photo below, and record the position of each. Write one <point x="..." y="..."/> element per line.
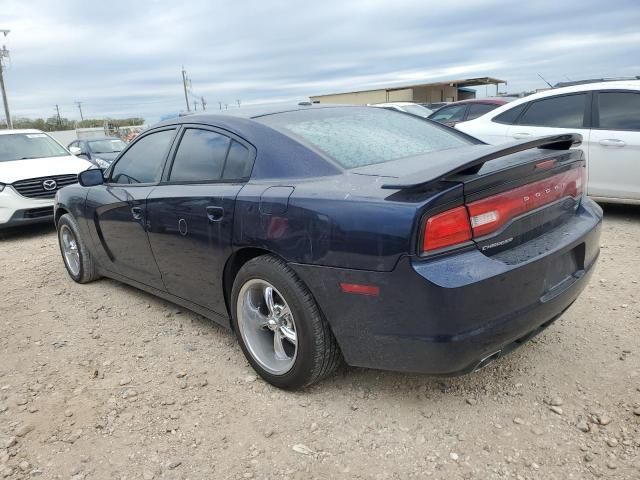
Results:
<point x="417" y="110"/>
<point x="360" y="136"/>
<point x="19" y="146"/>
<point x="107" y="146"/>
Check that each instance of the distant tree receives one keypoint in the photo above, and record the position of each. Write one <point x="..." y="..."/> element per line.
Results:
<point x="52" y="123"/>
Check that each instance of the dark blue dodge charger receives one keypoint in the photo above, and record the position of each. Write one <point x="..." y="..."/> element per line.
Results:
<point x="322" y="233"/>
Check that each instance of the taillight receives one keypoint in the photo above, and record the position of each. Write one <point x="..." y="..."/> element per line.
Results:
<point x="446" y="229"/>
<point x="486" y="216"/>
<point x="492" y="213"/>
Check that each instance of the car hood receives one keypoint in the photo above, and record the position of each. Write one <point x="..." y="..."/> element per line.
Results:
<point x="15" y="170"/>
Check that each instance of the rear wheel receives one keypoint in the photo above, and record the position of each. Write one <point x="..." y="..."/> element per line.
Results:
<point x="77" y="259"/>
<point x="279" y="325"/>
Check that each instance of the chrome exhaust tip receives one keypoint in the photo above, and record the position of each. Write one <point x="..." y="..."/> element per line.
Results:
<point x="487" y="360"/>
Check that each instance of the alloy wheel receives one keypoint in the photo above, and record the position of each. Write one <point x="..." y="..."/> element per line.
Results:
<point x="70" y="250"/>
<point x="267" y="326"/>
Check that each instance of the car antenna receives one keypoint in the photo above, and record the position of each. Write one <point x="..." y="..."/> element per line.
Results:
<point x="543" y="79"/>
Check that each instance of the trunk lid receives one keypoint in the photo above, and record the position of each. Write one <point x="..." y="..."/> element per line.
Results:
<point x="512" y="193"/>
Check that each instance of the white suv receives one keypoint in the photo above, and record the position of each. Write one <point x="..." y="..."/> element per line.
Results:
<point x="607" y="114"/>
<point x="33" y="167"/>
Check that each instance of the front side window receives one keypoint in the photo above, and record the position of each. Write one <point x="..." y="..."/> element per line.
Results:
<point x="24" y="146"/>
<point x="619" y="110"/>
<point x="566" y="111"/>
<point x="360" y="136"/>
<point x="453" y="113"/>
<point x="143" y="162"/>
<point x="200" y="156"/>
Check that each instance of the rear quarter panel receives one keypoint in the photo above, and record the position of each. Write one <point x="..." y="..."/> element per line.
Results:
<point x="343" y="221"/>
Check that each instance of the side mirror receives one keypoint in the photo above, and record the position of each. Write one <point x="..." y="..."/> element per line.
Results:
<point x="75" y="150"/>
<point x="91" y="177"/>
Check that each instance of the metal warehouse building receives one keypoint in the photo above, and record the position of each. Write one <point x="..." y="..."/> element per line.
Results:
<point x="445" y="91"/>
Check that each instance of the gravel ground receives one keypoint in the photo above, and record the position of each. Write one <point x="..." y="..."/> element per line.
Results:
<point x="104" y="381"/>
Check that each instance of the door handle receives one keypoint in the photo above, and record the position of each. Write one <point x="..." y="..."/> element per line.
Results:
<point x="612" y="142"/>
<point x="215" y="214"/>
<point x="136" y="212"/>
<point x="521" y="135"/>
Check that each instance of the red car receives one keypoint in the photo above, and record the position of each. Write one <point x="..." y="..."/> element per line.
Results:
<point x="464" y="110"/>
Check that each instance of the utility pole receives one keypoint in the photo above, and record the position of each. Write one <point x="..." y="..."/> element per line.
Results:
<point x="204" y="104"/>
<point x="195" y="106"/>
<point x="58" y="121"/>
<point x="4" y="53"/>
<point x="184" y="85"/>
<point x="80" y="108"/>
<point x="220" y="104"/>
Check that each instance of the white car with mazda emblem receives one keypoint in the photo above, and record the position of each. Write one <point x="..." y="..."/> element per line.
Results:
<point x="33" y="167"/>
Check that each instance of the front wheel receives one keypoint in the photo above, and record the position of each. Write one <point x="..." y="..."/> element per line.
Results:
<point x="279" y="325"/>
<point x="77" y="259"/>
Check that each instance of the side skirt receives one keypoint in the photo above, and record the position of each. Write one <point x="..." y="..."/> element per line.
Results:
<point x="205" y="312"/>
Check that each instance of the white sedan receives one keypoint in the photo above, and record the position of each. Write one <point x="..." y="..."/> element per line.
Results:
<point x="406" y="107"/>
<point x="607" y="114"/>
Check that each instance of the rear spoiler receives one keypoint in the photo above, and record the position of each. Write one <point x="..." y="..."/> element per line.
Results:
<point x="457" y="162"/>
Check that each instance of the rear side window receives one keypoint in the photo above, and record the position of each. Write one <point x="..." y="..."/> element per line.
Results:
<point x="619" y="110"/>
<point x="200" y="156"/>
<point x="143" y="162"/>
<point x="510" y="116"/>
<point x="566" y="111"/>
<point x="359" y="136"/>
<point x="478" y="109"/>
<point x="239" y="162"/>
<point x="453" y="113"/>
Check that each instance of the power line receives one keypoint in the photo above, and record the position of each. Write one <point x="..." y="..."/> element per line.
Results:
<point x="4" y="53"/>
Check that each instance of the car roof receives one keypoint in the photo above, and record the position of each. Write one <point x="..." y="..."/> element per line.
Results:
<point x="92" y="139"/>
<point x="248" y="112"/>
<point x="391" y="104"/>
<point x="487" y="101"/>
<point x="20" y="130"/>
<point x="585" y="87"/>
<point x="552" y="92"/>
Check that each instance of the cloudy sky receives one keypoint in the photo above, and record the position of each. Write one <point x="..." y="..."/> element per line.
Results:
<point x="124" y="58"/>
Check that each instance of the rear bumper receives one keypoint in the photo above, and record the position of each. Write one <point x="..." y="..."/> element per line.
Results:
<point x="18" y="210"/>
<point x="445" y="316"/>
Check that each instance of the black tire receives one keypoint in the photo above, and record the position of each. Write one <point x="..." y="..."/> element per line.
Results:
<point x="318" y="354"/>
<point x="88" y="270"/>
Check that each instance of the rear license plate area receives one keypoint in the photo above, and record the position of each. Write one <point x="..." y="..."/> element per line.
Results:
<point x="564" y="268"/>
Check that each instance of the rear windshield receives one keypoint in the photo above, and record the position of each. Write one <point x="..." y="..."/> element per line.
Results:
<point x="360" y="136"/>
<point x="20" y="146"/>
